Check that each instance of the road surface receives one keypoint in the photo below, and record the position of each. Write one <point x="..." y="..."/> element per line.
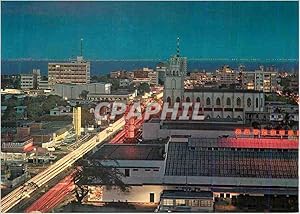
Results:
<point x="20" y="193"/>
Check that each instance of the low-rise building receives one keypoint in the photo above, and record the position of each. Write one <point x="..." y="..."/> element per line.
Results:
<point x="61" y="110"/>
<point x="75" y="91"/>
<point x="173" y="172"/>
<point x="120" y="95"/>
<point x="124" y="82"/>
<point x="153" y="77"/>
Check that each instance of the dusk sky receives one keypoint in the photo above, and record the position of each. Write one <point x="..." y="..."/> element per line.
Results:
<point x="148" y="30"/>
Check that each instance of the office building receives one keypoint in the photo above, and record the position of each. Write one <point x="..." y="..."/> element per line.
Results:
<point x="266" y="81"/>
<point x="31" y="80"/>
<point x="76" y="72"/>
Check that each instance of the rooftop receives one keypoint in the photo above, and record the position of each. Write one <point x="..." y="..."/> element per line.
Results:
<point x="250" y="143"/>
<point x="185" y="161"/>
<point x="205" y="125"/>
<point x="221" y="90"/>
<point x="130" y="152"/>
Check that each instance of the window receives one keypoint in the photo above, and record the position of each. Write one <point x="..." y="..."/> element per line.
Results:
<point x="135" y="170"/>
<point x="151" y="197"/>
<point x="195" y="203"/>
<point x="147" y="170"/>
<point x="256" y="102"/>
<point x="198" y="100"/>
<point x="180" y="202"/>
<point x="168" y="202"/>
<point x="169" y="100"/>
<point x="188" y="99"/>
<point x="127" y="172"/>
<point x="205" y="203"/>
<point x="228" y="101"/>
<point x="218" y="101"/>
<point x="238" y="102"/>
<point x="177" y="100"/>
<point x="227" y="195"/>
<point x="249" y="102"/>
<point x="207" y="101"/>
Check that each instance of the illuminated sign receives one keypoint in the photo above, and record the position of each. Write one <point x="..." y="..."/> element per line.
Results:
<point x="256" y="131"/>
<point x="265" y="132"/>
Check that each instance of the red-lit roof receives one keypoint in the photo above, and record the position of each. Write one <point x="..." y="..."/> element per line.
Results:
<point x="258" y="143"/>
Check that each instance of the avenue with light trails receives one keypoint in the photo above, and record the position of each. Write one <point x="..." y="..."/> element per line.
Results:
<point x="22" y="192"/>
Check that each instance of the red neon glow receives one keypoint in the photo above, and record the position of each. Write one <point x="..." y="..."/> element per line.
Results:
<point x="238" y="131"/>
<point x="273" y="132"/>
<point x="264" y="132"/>
<point x="256" y="131"/>
<point x="258" y="143"/>
<point x="290" y="132"/>
<point x="281" y="132"/>
<point x="247" y="132"/>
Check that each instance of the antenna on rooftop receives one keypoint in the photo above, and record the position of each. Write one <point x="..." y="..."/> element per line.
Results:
<point x="81" y="46"/>
<point x="177" y="46"/>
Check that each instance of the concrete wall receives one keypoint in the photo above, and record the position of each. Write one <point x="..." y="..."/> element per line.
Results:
<point x="73" y="91"/>
<point x="154" y="132"/>
<point x="138" y="194"/>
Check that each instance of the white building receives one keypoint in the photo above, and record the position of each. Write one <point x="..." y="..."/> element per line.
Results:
<point x="26" y="81"/>
<point x="154" y="169"/>
<point x="74" y="91"/>
<point x="124" y="82"/>
<point x="153" y="77"/>
<point x="266" y="81"/>
<point x="214" y="103"/>
<point x="31" y="81"/>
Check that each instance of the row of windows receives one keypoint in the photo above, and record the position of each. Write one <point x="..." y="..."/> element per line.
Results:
<point x="218" y="101"/>
<point x="182" y="202"/>
<point x="127" y="171"/>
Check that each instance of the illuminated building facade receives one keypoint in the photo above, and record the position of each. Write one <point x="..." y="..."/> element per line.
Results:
<point x="77" y="120"/>
<point x="266" y="81"/>
<point x="77" y="72"/>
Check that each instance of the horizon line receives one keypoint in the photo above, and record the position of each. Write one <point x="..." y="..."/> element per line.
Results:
<point x="153" y="59"/>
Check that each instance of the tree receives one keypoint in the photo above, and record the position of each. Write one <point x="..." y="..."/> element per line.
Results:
<point x="84" y="94"/>
<point x="87" y="117"/>
<point x="143" y="88"/>
<point x="92" y="172"/>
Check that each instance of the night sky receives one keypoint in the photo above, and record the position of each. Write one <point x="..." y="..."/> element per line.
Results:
<point x="148" y="30"/>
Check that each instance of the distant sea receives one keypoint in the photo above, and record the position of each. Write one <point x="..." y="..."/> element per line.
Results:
<point x="104" y="67"/>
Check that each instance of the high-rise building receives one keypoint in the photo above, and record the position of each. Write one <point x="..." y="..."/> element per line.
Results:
<point x="77" y="72"/>
<point x="31" y="80"/>
<point x="266" y="81"/>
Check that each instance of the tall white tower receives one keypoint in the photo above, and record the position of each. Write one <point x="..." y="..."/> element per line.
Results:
<point x="175" y="75"/>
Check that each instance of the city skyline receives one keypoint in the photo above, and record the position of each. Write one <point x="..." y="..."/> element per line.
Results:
<point x="139" y="30"/>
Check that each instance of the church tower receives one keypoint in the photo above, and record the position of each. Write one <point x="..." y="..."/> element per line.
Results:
<point x="175" y="75"/>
